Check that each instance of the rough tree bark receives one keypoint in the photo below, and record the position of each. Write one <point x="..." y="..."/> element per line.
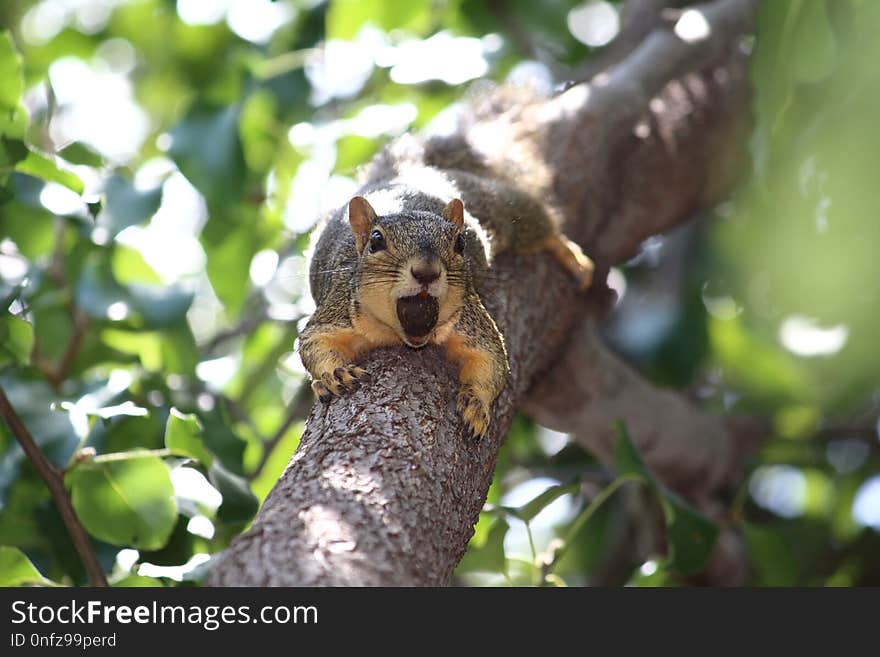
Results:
<point x="384" y="489"/>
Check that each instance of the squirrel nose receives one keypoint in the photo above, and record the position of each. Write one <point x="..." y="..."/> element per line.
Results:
<point x="425" y="275"/>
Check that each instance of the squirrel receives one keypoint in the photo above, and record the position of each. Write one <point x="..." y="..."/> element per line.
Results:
<point x="401" y="263"/>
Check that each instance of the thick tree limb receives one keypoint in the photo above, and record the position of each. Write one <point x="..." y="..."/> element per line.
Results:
<point x="384" y="489"/>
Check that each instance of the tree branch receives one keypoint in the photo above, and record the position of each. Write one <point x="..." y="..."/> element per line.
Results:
<point x="637" y="19"/>
<point x="384" y="489"/>
<point x="55" y="374"/>
<point x="54" y="481"/>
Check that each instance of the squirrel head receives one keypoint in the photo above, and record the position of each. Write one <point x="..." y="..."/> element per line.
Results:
<point x="411" y="271"/>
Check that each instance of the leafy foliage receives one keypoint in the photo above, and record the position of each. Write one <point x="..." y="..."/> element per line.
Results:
<point x="162" y="165"/>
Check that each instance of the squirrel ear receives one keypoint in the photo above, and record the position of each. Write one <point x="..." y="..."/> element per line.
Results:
<point x="454" y="212"/>
<point x="361" y="216"/>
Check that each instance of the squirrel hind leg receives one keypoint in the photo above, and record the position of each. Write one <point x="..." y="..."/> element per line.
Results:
<point x="572" y="258"/>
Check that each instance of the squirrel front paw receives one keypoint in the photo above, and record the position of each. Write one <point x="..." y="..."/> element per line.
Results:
<point x="339" y="381"/>
<point x="474" y="411"/>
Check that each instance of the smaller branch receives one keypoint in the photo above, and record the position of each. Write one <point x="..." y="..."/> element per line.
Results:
<point x="256" y="309"/>
<point x="56" y="374"/>
<point x="133" y="454"/>
<point x="248" y="324"/>
<point x="664" y="55"/>
<point x="80" y="325"/>
<point x="54" y="481"/>
<point x="638" y="19"/>
<point x="692" y="452"/>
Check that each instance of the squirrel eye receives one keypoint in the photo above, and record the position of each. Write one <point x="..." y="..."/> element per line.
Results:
<point x="377" y="241"/>
<point x="459" y="244"/>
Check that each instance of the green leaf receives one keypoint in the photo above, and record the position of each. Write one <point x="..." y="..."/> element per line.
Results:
<point x="771" y="558"/>
<point x="146" y="345"/>
<point x="80" y="153"/>
<point x="239" y="503"/>
<point x="259" y="130"/>
<point x="31" y="229"/>
<point x="17" y="570"/>
<point x="488" y="557"/>
<point x="16" y="340"/>
<point x="101" y="296"/>
<point x="528" y="511"/>
<point x="11" y="80"/>
<point x="13" y="118"/>
<point x="41" y="166"/>
<point x="626" y="457"/>
<point x="276" y="461"/>
<point x="229" y="257"/>
<point x="127" y="206"/>
<point x="813" y="43"/>
<point x="138" y="581"/>
<point x="97" y="291"/>
<point x="346" y="17"/>
<point x="11" y="152"/>
<point x="178" y="352"/>
<point x="207" y="149"/>
<point x="352" y="151"/>
<point x="160" y="307"/>
<point x="178" y="549"/>
<point x="183" y="435"/>
<point x="689" y="535"/>
<point x="129" y="502"/>
<point x="129" y="266"/>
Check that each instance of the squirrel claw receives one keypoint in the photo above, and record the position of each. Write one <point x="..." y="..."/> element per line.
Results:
<point x="321" y="391"/>
<point x="341" y="380"/>
<point x="475" y="414"/>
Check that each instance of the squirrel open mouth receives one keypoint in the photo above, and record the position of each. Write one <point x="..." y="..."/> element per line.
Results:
<point x="418" y="316"/>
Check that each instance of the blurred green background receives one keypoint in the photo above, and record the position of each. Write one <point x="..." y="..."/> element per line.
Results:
<point x="162" y="164"/>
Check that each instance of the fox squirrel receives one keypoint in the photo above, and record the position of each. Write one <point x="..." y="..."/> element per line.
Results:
<point x="402" y="262"/>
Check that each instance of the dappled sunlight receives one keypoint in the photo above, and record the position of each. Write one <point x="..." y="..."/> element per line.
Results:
<point x="866" y="507"/>
<point x="327" y="530"/>
<point x="96" y="108"/>
<point x="802" y="336"/>
<point x="47" y="18"/>
<point x="60" y="200"/>
<point x="594" y="23"/>
<point x="263" y="267"/>
<point x="353" y="479"/>
<point x="169" y="243"/>
<point x="253" y="20"/>
<point x="781" y="489"/>
<point x="552" y="442"/>
<point x="194" y="492"/>
<point x="340" y="68"/>
<point x="443" y="57"/>
<point x="692" y="26"/>
<point x="218" y="372"/>
<point x="97" y="403"/>
<point x="200" y="525"/>
<point x="177" y="573"/>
